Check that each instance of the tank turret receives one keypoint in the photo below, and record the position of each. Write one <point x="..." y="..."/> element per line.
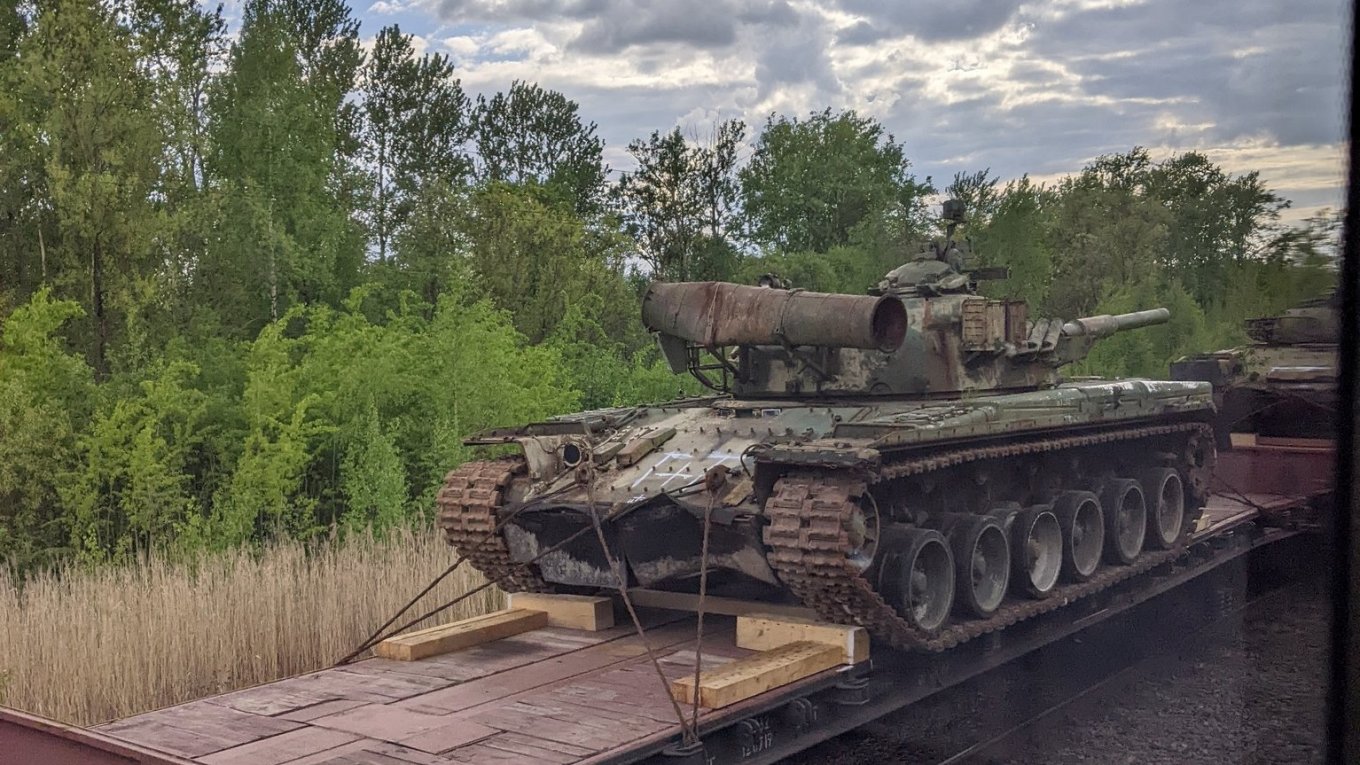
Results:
<point x="925" y="331"/>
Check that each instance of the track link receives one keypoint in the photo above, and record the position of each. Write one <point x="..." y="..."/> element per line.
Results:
<point x="808" y="537"/>
<point x="468" y="504"/>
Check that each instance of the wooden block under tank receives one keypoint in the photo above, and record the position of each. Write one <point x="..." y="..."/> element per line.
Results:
<point x="762" y="632"/>
<point x="753" y="675"/>
<point x="577" y="612"/>
<point x="461" y="634"/>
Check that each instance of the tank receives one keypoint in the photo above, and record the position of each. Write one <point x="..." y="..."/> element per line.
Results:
<point x="908" y="460"/>
<point x="1284" y="383"/>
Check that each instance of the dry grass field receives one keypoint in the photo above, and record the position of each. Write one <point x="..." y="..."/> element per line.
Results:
<point x="87" y="646"/>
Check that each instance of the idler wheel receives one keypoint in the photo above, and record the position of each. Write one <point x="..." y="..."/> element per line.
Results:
<point x="918" y="579"/>
<point x="1125" y="519"/>
<point x="1036" y="550"/>
<point x="1083" y="533"/>
<point x="1165" y="495"/>
<point x="982" y="561"/>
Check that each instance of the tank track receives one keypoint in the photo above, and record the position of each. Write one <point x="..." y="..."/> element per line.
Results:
<point x="468" y="502"/>
<point x="808" y="537"/>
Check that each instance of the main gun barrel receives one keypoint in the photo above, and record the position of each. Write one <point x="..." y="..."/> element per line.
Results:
<point x="715" y="314"/>
<point x="1106" y="325"/>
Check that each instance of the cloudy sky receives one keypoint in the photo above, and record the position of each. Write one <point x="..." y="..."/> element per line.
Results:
<point x="1020" y="87"/>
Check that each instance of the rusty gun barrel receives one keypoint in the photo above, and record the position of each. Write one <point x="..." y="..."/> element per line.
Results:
<point x="1106" y="325"/>
<point x="715" y="314"/>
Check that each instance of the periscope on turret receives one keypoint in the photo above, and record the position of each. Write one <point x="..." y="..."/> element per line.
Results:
<point x="909" y="460"/>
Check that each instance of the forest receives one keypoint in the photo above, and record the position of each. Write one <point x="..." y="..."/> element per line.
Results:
<point x="259" y="285"/>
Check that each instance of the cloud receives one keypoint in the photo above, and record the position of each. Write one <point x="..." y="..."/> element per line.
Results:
<point x="1247" y="69"/>
<point x="1034" y="86"/>
<point x="934" y="20"/>
<point x="612" y="26"/>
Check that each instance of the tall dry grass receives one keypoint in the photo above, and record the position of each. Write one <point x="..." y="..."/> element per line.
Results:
<point x="86" y="646"/>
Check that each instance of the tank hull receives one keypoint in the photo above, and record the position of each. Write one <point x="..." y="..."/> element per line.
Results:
<point x="817" y="502"/>
<point x="1271" y="390"/>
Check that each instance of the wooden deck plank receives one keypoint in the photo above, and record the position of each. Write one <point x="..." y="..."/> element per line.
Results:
<point x="269" y="700"/>
<point x="514" y="739"/>
<point x="461" y="634"/>
<point x="285" y="747"/>
<point x="216" y="726"/>
<point x="393" y="754"/>
<point x="349" y="686"/>
<point x="483" y="754"/>
<point x="606" y="699"/>
<point x="449" y="736"/>
<point x="513" y="718"/>
<point x="581" y="612"/>
<point x="384" y="722"/>
<point x="521" y="679"/>
<point x="756" y="674"/>
<point x="413" y="677"/>
<point x="564" y="710"/>
<point x="350" y="714"/>
<point x="307" y="714"/>
<point x="334" y="755"/>
<point x="763" y="632"/>
<point x="168" y="738"/>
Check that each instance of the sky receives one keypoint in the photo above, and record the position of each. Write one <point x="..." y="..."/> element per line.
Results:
<point x="1036" y="88"/>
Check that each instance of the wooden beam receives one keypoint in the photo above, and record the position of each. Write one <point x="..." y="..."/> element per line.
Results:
<point x="762" y="632"/>
<point x="684" y="601"/>
<point x="461" y="634"/>
<point x="741" y="679"/>
<point x="577" y="612"/>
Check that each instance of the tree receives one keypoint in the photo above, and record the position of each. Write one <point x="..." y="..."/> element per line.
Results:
<point x="416" y="124"/>
<point x="283" y="145"/>
<point x="534" y="257"/>
<point x="1013" y="228"/>
<point x="1104" y="233"/>
<point x="978" y="193"/>
<point x="533" y="135"/>
<point x="45" y="400"/>
<point x="826" y="181"/>
<point x="95" y="137"/>
<point x="1217" y="220"/>
<point x="680" y="205"/>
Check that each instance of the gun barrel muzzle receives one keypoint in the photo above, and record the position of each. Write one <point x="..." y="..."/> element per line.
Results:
<point x="716" y="314"/>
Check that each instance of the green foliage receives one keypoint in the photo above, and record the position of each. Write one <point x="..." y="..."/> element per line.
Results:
<point x="1147" y="352"/>
<point x="45" y="395"/>
<point x="847" y="268"/>
<point x="825" y="181"/>
<point x="603" y="370"/>
<point x="532" y="135"/>
<point x="373" y="478"/>
<point x="535" y="257"/>
<point x="416" y="122"/>
<point x="133" y="485"/>
<point x="283" y="137"/>
<point x="680" y="205"/>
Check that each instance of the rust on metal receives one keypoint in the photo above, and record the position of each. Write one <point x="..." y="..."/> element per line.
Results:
<point x="467" y="514"/>
<point x="718" y="314"/>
